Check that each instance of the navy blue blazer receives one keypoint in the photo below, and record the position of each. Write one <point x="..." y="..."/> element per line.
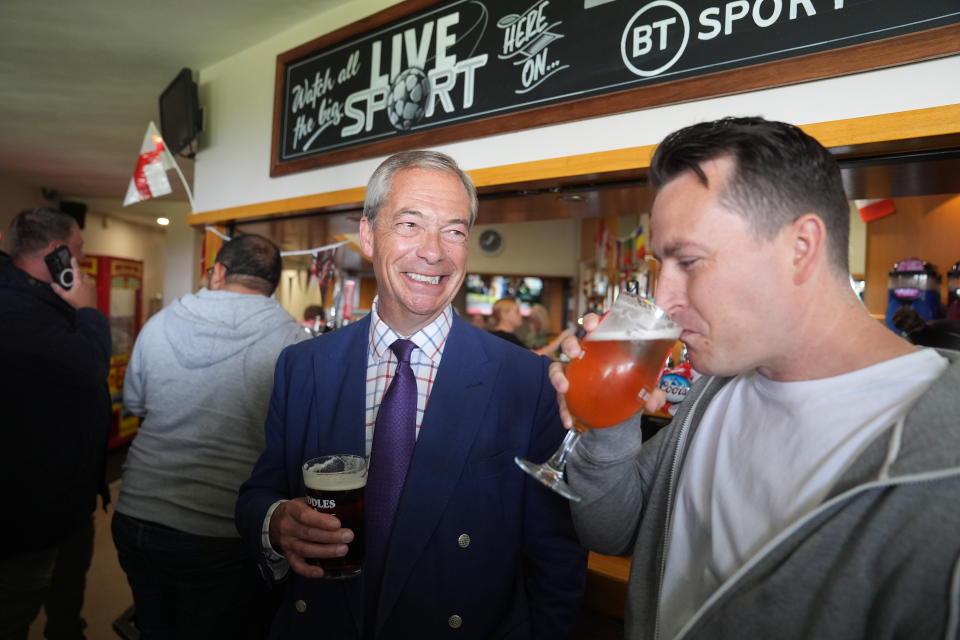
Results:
<point x="522" y="574"/>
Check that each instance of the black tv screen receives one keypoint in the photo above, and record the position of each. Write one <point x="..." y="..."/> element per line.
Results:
<point x="180" y="116"/>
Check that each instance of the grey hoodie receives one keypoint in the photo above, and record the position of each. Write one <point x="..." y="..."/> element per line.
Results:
<point x="201" y="374"/>
<point x="878" y="559"/>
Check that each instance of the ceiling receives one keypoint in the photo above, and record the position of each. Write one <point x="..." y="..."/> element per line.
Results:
<point x="79" y="81"/>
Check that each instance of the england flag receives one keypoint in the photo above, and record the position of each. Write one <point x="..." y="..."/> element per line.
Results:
<point x="150" y="175"/>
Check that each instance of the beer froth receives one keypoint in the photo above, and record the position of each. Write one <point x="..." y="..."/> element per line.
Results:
<point x="631" y="335"/>
<point x="314" y="479"/>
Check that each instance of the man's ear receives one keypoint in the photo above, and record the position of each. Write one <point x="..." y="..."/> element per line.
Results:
<point x="366" y="237"/>
<point x="809" y="245"/>
<point x="218" y="279"/>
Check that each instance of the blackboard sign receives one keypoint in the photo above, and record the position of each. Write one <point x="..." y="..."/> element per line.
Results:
<point x="449" y="63"/>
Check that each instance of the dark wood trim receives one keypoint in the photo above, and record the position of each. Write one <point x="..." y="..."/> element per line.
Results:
<point x="931" y="128"/>
<point x="924" y="45"/>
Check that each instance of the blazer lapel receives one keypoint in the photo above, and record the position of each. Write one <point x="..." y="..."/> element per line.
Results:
<point x="340" y="376"/>
<point x="462" y="389"/>
<point x="338" y="418"/>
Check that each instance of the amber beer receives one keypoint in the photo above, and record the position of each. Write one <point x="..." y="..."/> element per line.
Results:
<point x="606" y="383"/>
<point x="336" y="485"/>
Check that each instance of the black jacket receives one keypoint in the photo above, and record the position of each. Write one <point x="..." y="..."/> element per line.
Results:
<point x="55" y="412"/>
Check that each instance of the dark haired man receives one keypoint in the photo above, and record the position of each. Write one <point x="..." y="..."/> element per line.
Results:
<point x="200" y="375"/>
<point x="459" y="542"/>
<point x="807" y="488"/>
<point x="54" y="360"/>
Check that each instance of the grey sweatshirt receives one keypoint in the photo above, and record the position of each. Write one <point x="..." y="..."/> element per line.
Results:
<point x="878" y="558"/>
<point x="201" y="375"/>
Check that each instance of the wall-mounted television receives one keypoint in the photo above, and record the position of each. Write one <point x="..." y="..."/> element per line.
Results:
<point x="181" y="119"/>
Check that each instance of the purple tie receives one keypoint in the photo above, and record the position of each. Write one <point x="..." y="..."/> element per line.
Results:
<point x="394" y="435"/>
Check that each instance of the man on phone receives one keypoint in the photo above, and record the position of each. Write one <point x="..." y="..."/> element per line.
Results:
<point x="55" y="350"/>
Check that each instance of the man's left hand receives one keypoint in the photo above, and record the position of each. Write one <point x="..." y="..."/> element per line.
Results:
<point x="571" y="348"/>
<point x="83" y="293"/>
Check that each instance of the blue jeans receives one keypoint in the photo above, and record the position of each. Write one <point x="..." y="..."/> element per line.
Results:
<point x="188" y="586"/>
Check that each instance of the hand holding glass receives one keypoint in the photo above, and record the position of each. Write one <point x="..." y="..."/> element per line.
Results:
<point x="621" y="363"/>
<point x="335" y="485"/>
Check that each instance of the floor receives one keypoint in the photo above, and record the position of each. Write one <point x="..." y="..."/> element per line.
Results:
<point x="108" y="595"/>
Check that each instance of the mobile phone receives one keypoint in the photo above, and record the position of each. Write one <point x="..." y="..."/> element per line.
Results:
<point x="58" y="262"/>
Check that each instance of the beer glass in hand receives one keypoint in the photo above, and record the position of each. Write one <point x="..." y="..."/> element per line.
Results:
<point x="335" y="485"/>
<point x="621" y="362"/>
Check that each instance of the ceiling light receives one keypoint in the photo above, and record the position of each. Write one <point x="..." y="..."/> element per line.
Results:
<point x="163" y="221"/>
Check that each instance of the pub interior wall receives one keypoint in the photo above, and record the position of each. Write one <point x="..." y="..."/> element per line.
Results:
<point x="541" y="248"/>
<point x="111" y="236"/>
<point x="232" y="166"/>
<point x="16" y="196"/>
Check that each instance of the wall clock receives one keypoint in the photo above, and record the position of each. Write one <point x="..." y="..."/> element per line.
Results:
<point x="491" y="242"/>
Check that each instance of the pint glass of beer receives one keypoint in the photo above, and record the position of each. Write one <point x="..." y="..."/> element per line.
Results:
<point x="621" y="363"/>
<point x="335" y="484"/>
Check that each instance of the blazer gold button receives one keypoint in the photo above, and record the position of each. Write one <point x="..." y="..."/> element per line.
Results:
<point x="300" y="606"/>
<point x="455" y="621"/>
<point x="463" y="540"/>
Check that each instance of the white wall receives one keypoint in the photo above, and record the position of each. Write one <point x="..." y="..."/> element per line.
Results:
<point x="14" y="198"/>
<point x="176" y="265"/>
<point x="181" y="256"/>
<point x="542" y="248"/>
<point x="233" y="164"/>
<point x="105" y="235"/>
<point x="232" y="167"/>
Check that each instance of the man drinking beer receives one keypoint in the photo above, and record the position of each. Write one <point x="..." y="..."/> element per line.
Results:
<point x="807" y="487"/>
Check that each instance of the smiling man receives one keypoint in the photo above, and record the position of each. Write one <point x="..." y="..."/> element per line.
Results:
<point x="458" y="540"/>
<point x="807" y="487"/>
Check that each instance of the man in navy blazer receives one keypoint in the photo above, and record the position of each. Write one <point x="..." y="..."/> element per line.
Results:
<point x="477" y="549"/>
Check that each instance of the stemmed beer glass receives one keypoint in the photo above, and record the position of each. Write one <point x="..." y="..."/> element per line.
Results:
<point x="620" y="365"/>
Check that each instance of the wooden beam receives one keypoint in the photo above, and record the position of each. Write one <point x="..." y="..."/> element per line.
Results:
<point x="905" y="125"/>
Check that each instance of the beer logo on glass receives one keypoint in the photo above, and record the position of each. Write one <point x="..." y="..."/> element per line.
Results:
<point x="317" y="503"/>
<point x="655" y="38"/>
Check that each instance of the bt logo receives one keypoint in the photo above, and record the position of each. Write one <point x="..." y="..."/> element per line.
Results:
<point x="655" y="38"/>
<point x="657" y="35"/>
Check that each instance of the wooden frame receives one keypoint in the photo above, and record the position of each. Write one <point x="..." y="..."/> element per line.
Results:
<point x="934" y="123"/>
<point x="933" y="43"/>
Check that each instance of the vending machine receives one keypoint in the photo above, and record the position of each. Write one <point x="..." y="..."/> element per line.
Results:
<point x="119" y="297"/>
<point x="916" y="284"/>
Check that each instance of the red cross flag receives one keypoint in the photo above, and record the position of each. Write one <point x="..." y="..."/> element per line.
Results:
<point x="150" y="175"/>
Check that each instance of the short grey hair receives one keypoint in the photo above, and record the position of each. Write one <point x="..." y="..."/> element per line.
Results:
<point x="381" y="182"/>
